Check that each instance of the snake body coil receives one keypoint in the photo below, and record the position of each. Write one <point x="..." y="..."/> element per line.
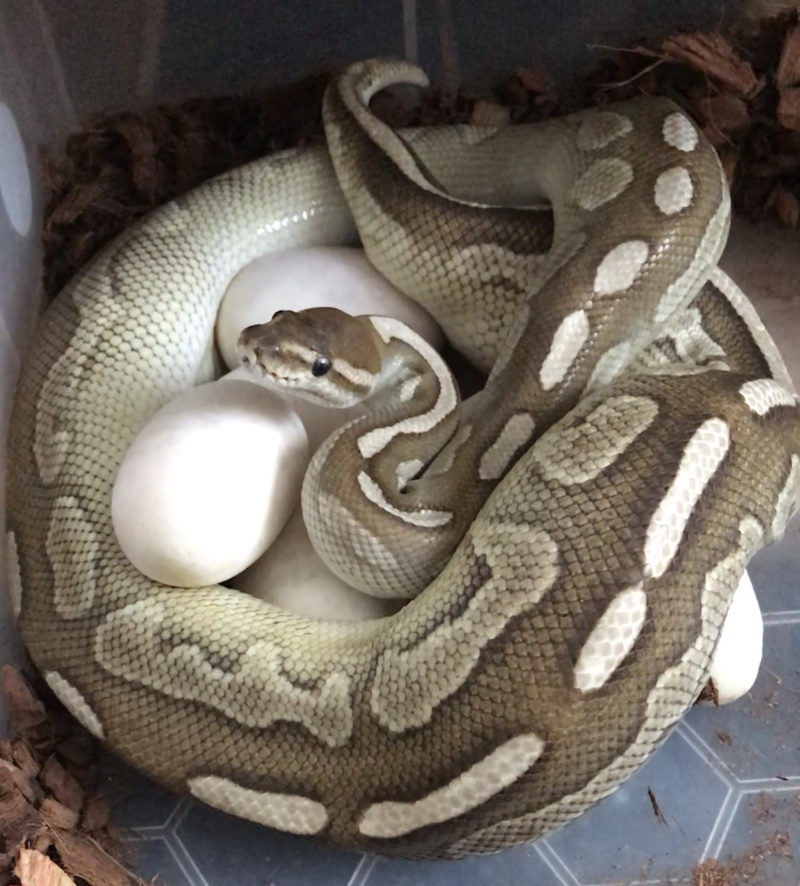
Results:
<point x="639" y="431"/>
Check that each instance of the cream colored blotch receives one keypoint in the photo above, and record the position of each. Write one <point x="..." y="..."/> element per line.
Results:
<point x="74" y="701"/>
<point x="617" y="271"/>
<point x="674" y="190"/>
<point x="602" y="182"/>
<point x="501" y="768"/>
<point x="679" y="132"/>
<point x="701" y="458"/>
<point x="599" y="128"/>
<point x="567" y="342"/>
<point x="611" y="639"/>
<point x="762" y="395"/>
<point x="290" y="813"/>
<point x="516" y="432"/>
<point x="14" y="574"/>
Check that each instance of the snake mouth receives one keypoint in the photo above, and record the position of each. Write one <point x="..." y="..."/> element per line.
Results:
<point x="253" y="360"/>
<point x="271" y="376"/>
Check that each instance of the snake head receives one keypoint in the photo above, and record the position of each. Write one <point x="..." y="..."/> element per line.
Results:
<point x="321" y="354"/>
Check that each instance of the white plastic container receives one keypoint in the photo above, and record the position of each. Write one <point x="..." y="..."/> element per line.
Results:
<point x="61" y="60"/>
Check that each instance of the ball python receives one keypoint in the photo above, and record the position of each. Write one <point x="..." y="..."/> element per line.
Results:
<point x="638" y="429"/>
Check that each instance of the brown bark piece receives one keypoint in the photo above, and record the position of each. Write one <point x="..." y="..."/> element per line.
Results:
<point x="96" y="814"/>
<point x="80" y="197"/>
<point x="788" y="73"/>
<point x="789" y="108"/>
<point x="84" y="857"/>
<point x="24" y="783"/>
<point x="786" y="206"/>
<point x="743" y="868"/>
<point x="147" y="172"/>
<point x="487" y="113"/>
<point x="656" y="808"/>
<point x="35" y="869"/>
<point x="24" y="705"/>
<point x="714" y="56"/>
<point x="512" y="93"/>
<point x="725" y="113"/>
<point x="42" y="842"/>
<point x="76" y="749"/>
<point x="709" y="693"/>
<point x="62" y="785"/>
<point x="536" y="79"/>
<point x="17" y="814"/>
<point x="729" y="158"/>
<point x="24" y="757"/>
<point x="57" y="815"/>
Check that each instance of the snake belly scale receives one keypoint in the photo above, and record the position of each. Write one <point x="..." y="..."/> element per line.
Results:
<point x="572" y="623"/>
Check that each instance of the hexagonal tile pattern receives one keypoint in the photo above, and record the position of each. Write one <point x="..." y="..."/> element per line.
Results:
<point x="241" y="850"/>
<point x="757" y="738"/>
<point x="651" y="827"/>
<point x="138" y="802"/>
<point x="160" y="859"/>
<point x="761" y="840"/>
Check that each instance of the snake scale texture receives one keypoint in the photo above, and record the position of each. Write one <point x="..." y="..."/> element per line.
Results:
<point x="637" y="442"/>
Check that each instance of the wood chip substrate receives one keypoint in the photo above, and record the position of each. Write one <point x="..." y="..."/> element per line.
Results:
<point x="54" y="820"/>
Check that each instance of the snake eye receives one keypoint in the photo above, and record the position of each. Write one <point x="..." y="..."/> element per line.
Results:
<point x="321" y="366"/>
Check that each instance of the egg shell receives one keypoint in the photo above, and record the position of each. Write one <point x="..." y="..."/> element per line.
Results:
<point x="209" y="482"/>
<point x="735" y="663"/>
<point x="319" y="421"/>
<point x="291" y="576"/>
<point x="307" y="277"/>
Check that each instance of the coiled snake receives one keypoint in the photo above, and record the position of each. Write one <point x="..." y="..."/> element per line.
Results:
<point x="638" y="424"/>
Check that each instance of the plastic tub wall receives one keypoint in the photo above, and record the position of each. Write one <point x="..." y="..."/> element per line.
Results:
<point x="61" y="60"/>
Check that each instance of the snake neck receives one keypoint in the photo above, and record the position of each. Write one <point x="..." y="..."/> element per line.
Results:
<point x="379" y="458"/>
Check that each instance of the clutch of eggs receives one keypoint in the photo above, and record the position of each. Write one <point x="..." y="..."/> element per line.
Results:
<point x="209" y="482"/>
<point x="213" y="480"/>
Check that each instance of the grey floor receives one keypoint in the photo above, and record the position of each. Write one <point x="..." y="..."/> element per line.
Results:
<point x="727" y="782"/>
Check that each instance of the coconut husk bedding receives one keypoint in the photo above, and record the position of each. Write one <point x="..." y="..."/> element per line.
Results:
<point x="744" y="91"/>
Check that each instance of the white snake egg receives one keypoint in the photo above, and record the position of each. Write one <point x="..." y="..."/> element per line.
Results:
<point x="291" y="576"/>
<point x="734" y="666"/>
<point x="308" y="277"/>
<point x="208" y="483"/>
